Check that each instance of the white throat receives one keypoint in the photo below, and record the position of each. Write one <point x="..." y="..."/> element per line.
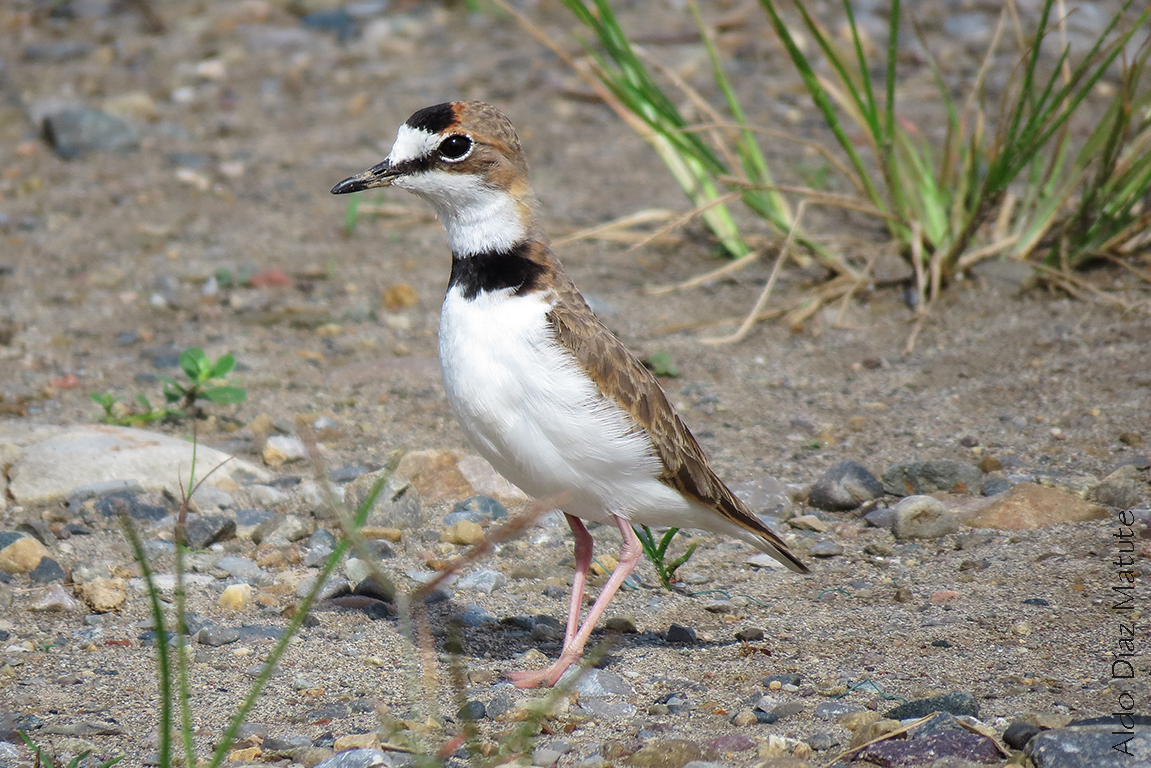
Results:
<point x="477" y="217"/>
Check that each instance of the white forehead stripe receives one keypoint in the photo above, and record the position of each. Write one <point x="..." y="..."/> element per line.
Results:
<point x="412" y="143"/>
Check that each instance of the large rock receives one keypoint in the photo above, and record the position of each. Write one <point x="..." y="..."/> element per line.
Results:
<point x="845" y="485"/>
<point x="908" y="478"/>
<point x="51" y="467"/>
<point x="923" y="517"/>
<point x="22" y="555"/>
<point x="1100" y="746"/>
<point x="1028" y="505"/>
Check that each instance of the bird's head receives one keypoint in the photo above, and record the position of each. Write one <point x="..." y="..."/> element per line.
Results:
<point x="465" y="159"/>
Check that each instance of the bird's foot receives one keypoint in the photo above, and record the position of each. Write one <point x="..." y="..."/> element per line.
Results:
<point x="541" y="678"/>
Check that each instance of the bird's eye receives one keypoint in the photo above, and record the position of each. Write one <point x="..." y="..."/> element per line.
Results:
<point x="455" y="148"/>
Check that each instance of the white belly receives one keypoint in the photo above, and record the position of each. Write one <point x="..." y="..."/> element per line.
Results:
<point x="529" y="408"/>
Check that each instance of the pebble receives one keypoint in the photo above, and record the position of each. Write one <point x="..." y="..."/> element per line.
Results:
<point x="993" y="485"/>
<point x="881" y="517"/>
<point x="472" y="710"/>
<point x="235" y="597"/>
<point x="266" y="495"/>
<point x="909" y="478"/>
<point x="764" y="560"/>
<point x="475" y="616"/>
<point x="845" y="485"/>
<point x="205" y="530"/>
<point x="599" y="683"/>
<point x="22" y="555"/>
<point x="809" y="523"/>
<point x="957" y="703"/>
<point x="284" y="449"/>
<point x="681" y="635"/>
<point x="835" y="709"/>
<point x="749" y="635"/>
<point x="623" y="623"/>
<point x="1118" y="490"/>
<point x="1018" y="734"/>
<point x="238" y="567"/>
<point x="55" y="599"/>
<point x="1089" y="746"/>
<point x="73" y="133"/>
<point x="825" y="548"/>
<point x="463" y="533"/>
<point x="347" y="473"/>
<point x="353" y="758"/>
<point x="211" y="497"/>
<point x="281" y="530"/>
<point x="486" y="581"/>
<point x="669" y="753"/>
<point x="476" y="509"/>
<point x="922" y="517"/>
<point x="607" y="710"/>
<point x="215" y="637"/>
<point x="395" y="507"/>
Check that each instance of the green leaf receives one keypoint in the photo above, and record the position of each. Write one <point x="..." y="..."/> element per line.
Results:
<point x="225" y="394"/>
<point x="195" y="363"/>
<point x="661" y="365"/>
<point x="223" y="366"/>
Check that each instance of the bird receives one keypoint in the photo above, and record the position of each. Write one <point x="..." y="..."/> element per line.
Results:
<point x="539" y="385"/>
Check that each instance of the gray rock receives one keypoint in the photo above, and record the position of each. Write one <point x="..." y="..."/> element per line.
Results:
<point x="291" y="449"/>
<point x="211" y="497"/>
<point x="37" y="529"/>
<point x="923" y="517"/>
<point x="7" y="537"/>
<point x="81" y="493"/>
<point x="476" y="509"/>
<point x="356" y="758"/>
<point x="1090" y="747"/>
<point x="78" y="456"/>
<point x="606" y="710"/>
<point x="994" y="485"/>
<point x="127" y="503"/>
<point x="473" y="710"/>
<point x="333" y="587"/>
<point x="1116" y="491"/>
<point x="1018" y="734"/>
<point x="599" y="683"/>
<point x="788" y="678"/>
<point x="883" y="517"/>
<point x="206" y="530"/>
<point x="281" y="530"/>
<point x="475" y="616"/>
<point x="73" y="133"/>
<point x="1005" y="276"/>
<point x="239" y="567"/>
<point x="825" y="548"/>
<point x="835" y="708"/>
<point x="956" y="702"/>
<point x="47" y="571"/>
<point x="677" y="633"/>
<point x="486" y="581"/>
<point x="56" y="600"/>
<point x="395" y="507"/>
<point x="267" y="496"/>
<point x="845" y="485"/>
<point x="545" y="756"/>
<point x="908" y="478"/>
<point x="56" y="51"/>
<point x="216" y="636"/>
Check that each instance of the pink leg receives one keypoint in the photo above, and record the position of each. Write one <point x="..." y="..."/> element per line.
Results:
<point x="573" y="646"/>
<point x="583" y="544"/>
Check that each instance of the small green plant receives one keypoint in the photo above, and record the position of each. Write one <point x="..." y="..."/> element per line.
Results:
<point x="206" y="382"/>
<point x="117" y="412"/>
<point x="46" y="761"/>
<point x="661" y="364"/>
<point x="207" y="379"/>
<point x="657" y="553"/>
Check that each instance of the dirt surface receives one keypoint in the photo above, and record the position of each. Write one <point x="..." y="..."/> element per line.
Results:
<point x="247" y="119"/>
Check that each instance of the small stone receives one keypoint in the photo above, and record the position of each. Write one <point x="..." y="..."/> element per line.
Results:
<point x="680" y="634"/>
<point x="352" y="758"/>
<point x="809" y="523"/>
<point x="923" y="517"/>
<point x="235" y="597"/>
<point x="214" y="637"/>
<point x="942" y="747"/>
<point x="882" y="517"/>
<point x="485" y="580"/>
<point x="473" y="710"/>
<point x="475" y="616"/>
<point x="22" y="555"/>
<point x="749" y="635"/>
<point x="282" y="449"/>
<point x="789" y="678"/>
<point x="103" y="595"/>
<point x="909" y="478"/>
<point x="47" y="571"/>
<point x="238" y="567"/>
<point x="825" y="548"/>
<point x="55" y="599"/>
<point x="397" y="506"/>
<point x="623" y="623"/>
<point x="719" y="606"/>
<point x="1018" y="734"/>
<point x="993" y="485"/>
<point x="957" y="703"/>
<point x="845" y="485"/>
<point x="989" y="463"/>
<point x="73" y="133"/>
<point x="598" y="683"/>
<point x="855" y="720"/>
<point x="1117" y="491"/>
<point x="669" y="753"/>
<point x="267" y="496"/>
<point x="463" y="533"/>
<point x="833" y="710"/>
<point x="1133" y="439"/>
<point x="483" y="507"/>
<point x="942" y="596"/>
<point x="205" y="530"/>
<point x="369" y="740"/>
